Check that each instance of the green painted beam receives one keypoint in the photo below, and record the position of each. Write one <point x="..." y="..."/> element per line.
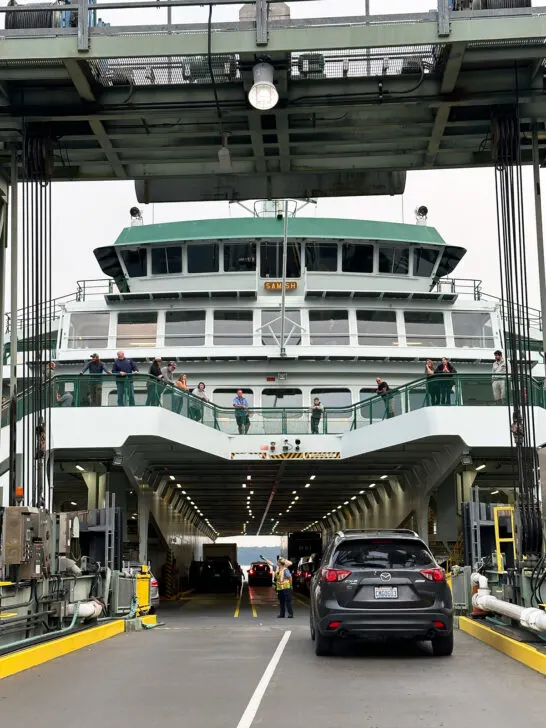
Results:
<point x="294" y="38"/>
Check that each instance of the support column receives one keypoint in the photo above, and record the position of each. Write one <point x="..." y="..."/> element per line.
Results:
<point x="144" y="503"/>
<point x="467" y="481"/>
<point x="446" y="505"/>
<point x="96" y="489"/>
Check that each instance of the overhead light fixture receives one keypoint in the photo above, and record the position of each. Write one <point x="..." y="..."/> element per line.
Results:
<point x="360" y="492"/>
<point x="480" y="467"/>
<point x="294" y="492"/>
<point x="178" y="485"/>
<point x="354" y="497"/>
<point x="183" y="492"/>
<point x="251" y="492"/>
<point x="79" y="467"/>
<point x="312" y="477"/>
<point x="297" y="498"/>
<point x="384" y="477"/>
<point x="493" y="492"/>
<point x="73" y="503"/>
<point x="263" y="95"/>
<point x="249" y="477"/>
<point x="372" y="485"/>
<point x="172" y="477"/>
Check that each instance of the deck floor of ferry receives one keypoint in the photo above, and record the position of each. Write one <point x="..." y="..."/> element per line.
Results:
<point x="203" y="666"/>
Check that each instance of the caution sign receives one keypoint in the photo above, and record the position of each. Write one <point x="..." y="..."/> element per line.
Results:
<point x="332" y="455"/>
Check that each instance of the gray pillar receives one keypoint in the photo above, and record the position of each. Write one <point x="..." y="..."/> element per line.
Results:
<point x="96" y="489"/>
<point x="446" y="507"/>
<point x="144" y="503"/>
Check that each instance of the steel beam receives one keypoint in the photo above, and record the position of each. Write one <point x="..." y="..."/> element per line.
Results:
<point x="83" y="87"/>
<point x="285" y="36"/>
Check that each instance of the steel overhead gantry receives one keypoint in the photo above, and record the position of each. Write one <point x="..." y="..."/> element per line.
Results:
<point x="361" y="99"/>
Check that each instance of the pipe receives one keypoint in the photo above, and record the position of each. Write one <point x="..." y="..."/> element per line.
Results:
<point x="528" y="617"/>
<point x="30" y="640"/>
<point x="71" y="567"/>
<point x="86" y="610"/>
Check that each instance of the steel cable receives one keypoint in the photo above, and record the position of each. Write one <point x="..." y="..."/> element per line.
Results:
<point x="515" y="312"/>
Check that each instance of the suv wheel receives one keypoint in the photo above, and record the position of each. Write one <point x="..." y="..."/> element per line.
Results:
<point x="442" y="646"/>
<point x="324" y="646"/>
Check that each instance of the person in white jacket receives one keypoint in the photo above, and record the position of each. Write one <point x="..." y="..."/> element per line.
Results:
<point x="500" y="372"/>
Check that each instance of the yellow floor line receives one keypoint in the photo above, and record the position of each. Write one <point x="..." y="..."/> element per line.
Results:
<point x="254" y="612"/>
<point x="237" y="608"/>
<point x="37" y="655"/>
<point x="519" y="651"/>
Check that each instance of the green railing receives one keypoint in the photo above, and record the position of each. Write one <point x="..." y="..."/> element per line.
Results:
<point x="459" y="390"/>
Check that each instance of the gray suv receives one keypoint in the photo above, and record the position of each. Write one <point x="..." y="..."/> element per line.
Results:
<point x="379" y="584"/>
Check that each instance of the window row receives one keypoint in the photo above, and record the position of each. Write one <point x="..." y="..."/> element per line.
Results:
<point x="326" y="327"/>
<point x="312" y="256"/>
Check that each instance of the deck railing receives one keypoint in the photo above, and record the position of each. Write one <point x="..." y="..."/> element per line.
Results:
<point x="142" y="390"/>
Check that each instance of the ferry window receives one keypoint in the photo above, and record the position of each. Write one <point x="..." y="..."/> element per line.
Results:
<point x="321" y="256"/>
<point x="393" y="260"/>
<point x="365" y="395"/>
<point x="203" y="258"/>
<point x="185" y="328"/>
<point x="282" y="397"/>
<point x="167" y="260"/>
<point x="472" y="329"/>
<point x="137" y="329"/>
<point x="225" y="397"/>
<point x="329" y="328"/>
<point x="135" y="262"/>
<point x="271" y="260"/>
<point x="271" y="328"/>
<point x="239" y="257"/>
<point x="333" y="398"/>
<point x="88" y="330"/>
<point x="233" y="327"/>
<point x="425" y="328"/>
<point x="377" y="328"/>
<point x="357" y="258"/>
<point x="424" y="260"/>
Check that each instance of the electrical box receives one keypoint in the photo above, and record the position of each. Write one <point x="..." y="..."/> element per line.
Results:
<point x="26" y="536"/>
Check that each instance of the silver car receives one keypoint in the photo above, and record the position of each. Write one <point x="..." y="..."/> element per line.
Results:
<point x="380" y="584"/>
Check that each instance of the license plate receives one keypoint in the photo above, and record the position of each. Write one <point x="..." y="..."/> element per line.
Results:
<point x="386" y="592"/>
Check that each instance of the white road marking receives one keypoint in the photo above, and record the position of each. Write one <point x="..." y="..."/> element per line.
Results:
<point x="252" y="707"/>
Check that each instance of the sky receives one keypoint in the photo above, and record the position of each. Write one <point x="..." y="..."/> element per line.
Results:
<point x="461" y="203"/>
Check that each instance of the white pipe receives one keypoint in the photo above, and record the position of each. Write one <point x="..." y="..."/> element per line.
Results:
<point x="72" y="567"/>
<point x="528" y="617"/>
<point x="86" y="610"/>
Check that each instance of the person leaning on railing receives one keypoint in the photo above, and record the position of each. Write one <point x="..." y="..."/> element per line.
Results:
<point x="95" y="367"/>
<point x="445" y="370"/>
<point x="153" y="392"/>
<point x="196" y="407"/>
<point x="124" y="369"/>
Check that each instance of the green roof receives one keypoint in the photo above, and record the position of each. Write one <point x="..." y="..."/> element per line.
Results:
<point x="269" y="227"/>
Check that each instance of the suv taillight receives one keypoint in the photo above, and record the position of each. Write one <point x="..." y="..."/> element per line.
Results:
<point x="334" y="574"/>
<point x="153" y="582"/>
<point x="434" y="574"/>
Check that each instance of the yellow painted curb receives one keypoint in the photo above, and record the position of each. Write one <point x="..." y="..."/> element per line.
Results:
<point x="149" y="619"/>
<point x="37" y="655"/>
<point x="519" y="651"/>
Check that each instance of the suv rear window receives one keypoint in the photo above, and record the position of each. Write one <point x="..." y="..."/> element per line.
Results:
<point x="383" y="554"/>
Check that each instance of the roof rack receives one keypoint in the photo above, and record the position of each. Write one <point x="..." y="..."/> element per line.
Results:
<point x="349" y="531"/>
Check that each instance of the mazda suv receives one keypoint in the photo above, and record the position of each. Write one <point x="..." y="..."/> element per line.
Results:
<point x="380" y="584"/>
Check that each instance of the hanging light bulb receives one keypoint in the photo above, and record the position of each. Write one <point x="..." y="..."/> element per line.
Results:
<point x="263" y="95"/>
